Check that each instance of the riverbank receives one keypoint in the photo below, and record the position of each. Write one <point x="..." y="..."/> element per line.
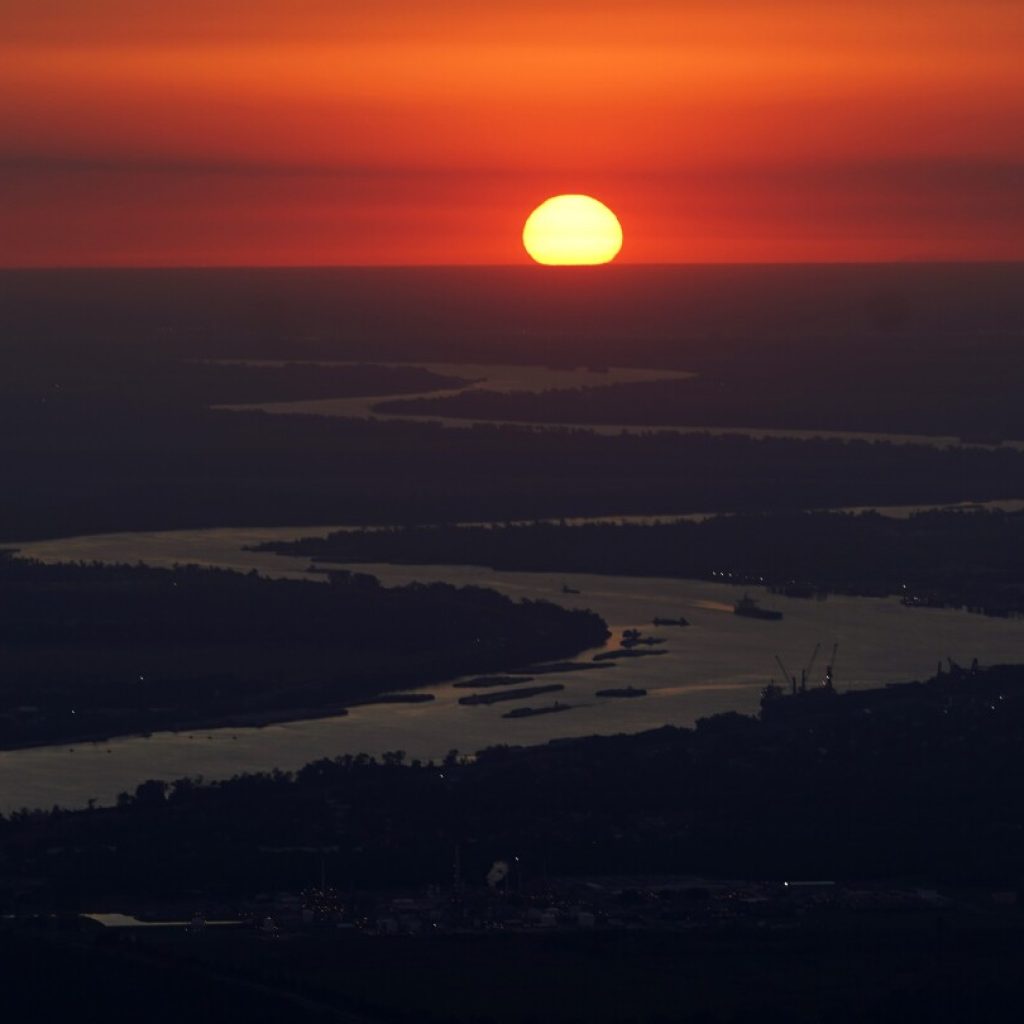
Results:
<point x="239" y="720"/>
<point x="797" y="554"/>
<point x="920" y="779"/>
<point x="93" y="651"/>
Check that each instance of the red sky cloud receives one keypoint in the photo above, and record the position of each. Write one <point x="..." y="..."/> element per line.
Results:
<point x="403" y="132"/>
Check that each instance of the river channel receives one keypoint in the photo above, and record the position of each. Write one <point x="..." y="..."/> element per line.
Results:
<point x="718" y="663"/>
<point x="536" y="379"/>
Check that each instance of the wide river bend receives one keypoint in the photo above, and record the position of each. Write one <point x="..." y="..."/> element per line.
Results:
<point x="718" y="663"/>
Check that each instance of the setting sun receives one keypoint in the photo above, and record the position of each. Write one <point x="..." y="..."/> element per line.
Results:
<point x="572" y="230"/>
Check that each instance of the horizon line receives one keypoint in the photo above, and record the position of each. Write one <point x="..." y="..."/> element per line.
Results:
<point x="65" y="267"/>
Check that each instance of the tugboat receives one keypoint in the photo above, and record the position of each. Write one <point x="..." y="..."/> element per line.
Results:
<point x="749" y="608"/>
<point x="566" y="589"/>
<point x="630" y="638"/>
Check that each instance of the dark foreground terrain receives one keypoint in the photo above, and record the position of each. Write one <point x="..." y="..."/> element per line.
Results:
<point x="608" y="862"/>
<point x="950" y="966"/>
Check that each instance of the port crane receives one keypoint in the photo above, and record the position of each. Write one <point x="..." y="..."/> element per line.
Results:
<point x="785" y="673"/>
<point x="830" y="667"/>
<point x="805" y="674"/>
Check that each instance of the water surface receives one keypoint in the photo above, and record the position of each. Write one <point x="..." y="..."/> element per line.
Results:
<point x="718" y="663"/>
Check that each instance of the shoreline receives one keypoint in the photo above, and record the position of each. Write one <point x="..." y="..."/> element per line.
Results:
<point x="246" y="720"/>
<point x="242" y="720"/>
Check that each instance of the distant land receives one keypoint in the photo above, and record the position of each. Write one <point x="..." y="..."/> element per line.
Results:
<point x="106" y="418"/>
<point x="940" y="558"/>
<point x="688" y="317"/>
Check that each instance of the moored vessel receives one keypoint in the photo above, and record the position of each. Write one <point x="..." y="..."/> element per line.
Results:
<point x="749" y="608"/>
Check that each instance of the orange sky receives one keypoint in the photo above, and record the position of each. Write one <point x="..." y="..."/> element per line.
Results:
<point x="424" y="131"/>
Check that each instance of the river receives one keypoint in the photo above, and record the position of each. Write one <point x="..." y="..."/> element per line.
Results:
<point x="718" y="663"/>
<point x="536" y="379"/>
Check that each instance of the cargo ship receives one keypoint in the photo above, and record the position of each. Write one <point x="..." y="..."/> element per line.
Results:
<point x="623" y="691"/>
<point x="750" y="609"/>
